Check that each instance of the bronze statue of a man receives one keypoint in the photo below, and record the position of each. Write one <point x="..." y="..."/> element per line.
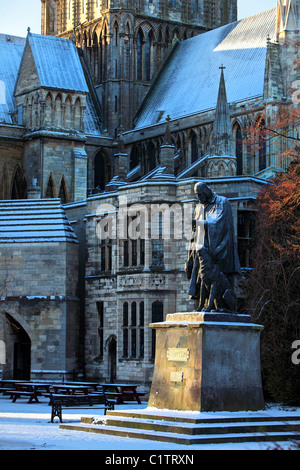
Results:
<point x="213" y="259"/>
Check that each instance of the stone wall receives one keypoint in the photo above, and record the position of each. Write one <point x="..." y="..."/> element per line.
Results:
<point x="39" y="302"/>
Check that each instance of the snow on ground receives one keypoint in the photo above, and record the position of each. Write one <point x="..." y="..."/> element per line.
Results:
<point x="25" y="426"/>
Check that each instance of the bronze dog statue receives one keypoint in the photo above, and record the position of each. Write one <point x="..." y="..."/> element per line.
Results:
<point x="214" y="285"/>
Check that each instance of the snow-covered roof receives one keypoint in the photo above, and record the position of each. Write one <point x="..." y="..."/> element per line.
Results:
<point x="58" y="66"/>
<point x="57" y="63"/>
<point x="11" y="50"/>
<point x="34" y="220"/>
<point x="189" y="81"/>
<point x="92" y="122"/>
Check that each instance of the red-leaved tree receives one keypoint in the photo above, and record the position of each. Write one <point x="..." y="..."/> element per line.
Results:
<point x="273" y="288"/>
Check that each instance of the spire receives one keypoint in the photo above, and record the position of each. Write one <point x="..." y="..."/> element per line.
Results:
<point x="221" y="139"/>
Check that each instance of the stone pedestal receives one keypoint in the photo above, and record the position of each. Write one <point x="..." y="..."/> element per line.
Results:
<point x="207" y="362"/>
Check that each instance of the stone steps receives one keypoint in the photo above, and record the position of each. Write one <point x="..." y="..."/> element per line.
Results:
<point x="187" y="430"/>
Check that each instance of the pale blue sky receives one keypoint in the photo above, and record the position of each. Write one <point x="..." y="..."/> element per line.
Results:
<point x="17" y="15"/>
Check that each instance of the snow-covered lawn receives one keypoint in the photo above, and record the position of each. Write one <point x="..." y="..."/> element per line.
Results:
<point x="26" y="426"/>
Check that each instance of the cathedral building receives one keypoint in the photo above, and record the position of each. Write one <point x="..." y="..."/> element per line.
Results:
<point x="124" y="43"/>
<point x="107" y="120"/>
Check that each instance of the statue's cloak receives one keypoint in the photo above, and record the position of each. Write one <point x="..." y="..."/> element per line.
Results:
<point x="218" y="238"/>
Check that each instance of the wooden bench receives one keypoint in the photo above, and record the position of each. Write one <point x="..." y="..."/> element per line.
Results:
<point x="58" y="401"/>
<point x="19" y="393"/>
<point x="6" y="390"/>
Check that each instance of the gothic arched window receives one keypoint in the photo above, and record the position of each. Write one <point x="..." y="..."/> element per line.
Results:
<point x="125" y="329"/>
<point x="101" y="170"/>
<point x="50" y="188"/>
<point x="133" y="330"/>
<point x="116" y="33"/>
<point x="58" y="111"/>
<point x="68" y="113"/>
<point x="262" y="146"/>
<point x="95" y="56"/>
<point x="48" y="110"/>
<point x="127" y="53"/>
<point x="62" y="191"/>
<point x="239" y="150"/>
<point x="19" y="187"/>
<point x="104" y="52"/>
<point x="141" y="329"/>
<point x="160" y="46"/>
<point x="139" y="59"/>
<point x="77" y="114"/>
<point x="149" y="54"/>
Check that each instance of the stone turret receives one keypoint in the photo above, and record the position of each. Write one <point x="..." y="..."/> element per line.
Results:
<point x="222" y="161"/>
<point x="288" y="36"/>
<point x="167" y="151"/>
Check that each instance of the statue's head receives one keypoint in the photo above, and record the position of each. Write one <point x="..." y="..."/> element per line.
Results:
<point x="203" y="192"/>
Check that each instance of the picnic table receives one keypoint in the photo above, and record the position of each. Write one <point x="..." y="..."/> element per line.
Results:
<point x="93" y="385"/>
<point x="27" y="389"/>
<point x="4" y="383"/>
<point x="122" y="391"/>
<point x="70" y="389"/>
<point x="8" y="385"/>
<point x="33" y="390"/>
<point x="39" y="387"/>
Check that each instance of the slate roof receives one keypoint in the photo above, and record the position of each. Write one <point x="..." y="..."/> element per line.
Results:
<point x="58" y="66"/>
<point x="92" y="122"/>
<point x="57" y="63"/>
<point x="35" y="220"/>
<point x="11" y="50"/>
<point x="189" y="81"/>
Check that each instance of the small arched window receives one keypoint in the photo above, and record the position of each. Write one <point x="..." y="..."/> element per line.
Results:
<point x="116" y="34"/>
<point x="62" y="191"/>
<point x="77" y="114"/>
<point x="48" y="110"/>
<point x="101" y="170"/>
<point x="239" y="150"/>
<point x="19" y="186"/>
<point x="262" y="145"/>
<point x="50" y="188"/>
<point x="68" y="113"/>
<point x="58" y="111"/>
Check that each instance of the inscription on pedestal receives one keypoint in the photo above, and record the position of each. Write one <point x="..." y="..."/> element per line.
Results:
<point x="178" y="354"/>
<point x="176" y="377"/>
